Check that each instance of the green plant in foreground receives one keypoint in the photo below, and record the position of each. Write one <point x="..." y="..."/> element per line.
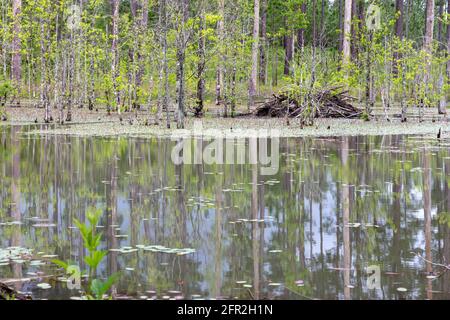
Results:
<point x="6" y="89"/>
<point x="96" y="288"/>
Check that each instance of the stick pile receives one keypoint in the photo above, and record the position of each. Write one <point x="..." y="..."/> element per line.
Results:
<point x="328" y="103"/>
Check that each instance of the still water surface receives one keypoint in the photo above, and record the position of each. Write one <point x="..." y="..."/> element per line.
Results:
<point x="336" y="207"/>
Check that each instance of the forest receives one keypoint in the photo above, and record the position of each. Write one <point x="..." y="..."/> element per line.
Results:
<point x="171" y="59"/>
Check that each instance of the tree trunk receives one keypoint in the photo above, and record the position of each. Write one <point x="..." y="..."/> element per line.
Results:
<point x="341" y="27"/>
<point x="301" y="32"/>
<point x="442" y="104"/>
<point x="255" y="50"/>
<point x="428" y="48"/>
<point x="429" y="26"/>
<point x="448" y="42"/>
<point x="181" y="57"/>
<point x="221" y="33"/>
<point x="289" y="52"/>
<point x="353" y="43"/>
<point x="314" y="23"/>
<point x="165" y="65"/>
<point x="201" y="64"/>
<point x="399" y="8"/>
<point x="16" y="62"/>
<point x="115" y="52"/>
<point x="347" y="31"/>
<point x="263" y="59"/>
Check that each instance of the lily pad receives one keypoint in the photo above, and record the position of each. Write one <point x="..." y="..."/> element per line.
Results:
<point x="44" y="286"/>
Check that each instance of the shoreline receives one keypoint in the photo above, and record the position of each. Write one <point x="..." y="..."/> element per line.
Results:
<point x="98" y="124"/>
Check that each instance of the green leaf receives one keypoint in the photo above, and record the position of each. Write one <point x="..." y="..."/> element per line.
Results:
<point x="95" y="258"/>
<point x="61" y="264"/>
<point x="100" y="288"/>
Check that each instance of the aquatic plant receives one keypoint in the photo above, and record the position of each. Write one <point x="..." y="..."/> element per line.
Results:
<point x="96" y="288"/>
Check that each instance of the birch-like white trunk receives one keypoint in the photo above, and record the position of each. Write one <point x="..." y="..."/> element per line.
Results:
<point x="255" y="54"/>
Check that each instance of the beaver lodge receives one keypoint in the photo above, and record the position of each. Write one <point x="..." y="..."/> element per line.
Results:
<point x="329" y="103"/>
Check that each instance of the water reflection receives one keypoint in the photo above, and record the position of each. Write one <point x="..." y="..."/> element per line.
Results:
<point x="335" y="207"/>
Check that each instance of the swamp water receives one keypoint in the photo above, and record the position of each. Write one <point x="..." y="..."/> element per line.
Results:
<point x="336" y="208"/>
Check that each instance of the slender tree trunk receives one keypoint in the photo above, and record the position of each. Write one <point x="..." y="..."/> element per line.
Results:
<point x="134" y="8"/>
<point x="399" y="8"/>
<point x="181" y="56"/>
<point x="255" y="50"/>
<point x="448" y="42"/>
<point x="201" y="63"/>
<point x="428" y="48"/>
<point x="71" y="77"/>
<point x="429" y="26"/>
<point x="162" y="68"/>
<point x="347" y="31"/>
<point x="322" y="19"/>
<point x="165" y="62"/>
<point x="314" y="23"/>
<point x="354" y="28"/>
<point x="115" y="52"/>
<point x="301" y="32"/>
<point x="427" y="216"/>
<point x="221" y="33"/>
<point x="289" y="53"/>
<point x="442" y="104"/>
<point x="16" y="62"/>
<point x="341" y="27"/>
<point x="263" y="58"/>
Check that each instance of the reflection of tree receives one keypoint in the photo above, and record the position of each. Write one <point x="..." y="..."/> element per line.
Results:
<point x="111" y="205"/>
<point x="255" y="233"/>
<point x="427" y="217"/>
<point x="446" y="230"/>
<point x="16" y="240"/>
<point x="318" y="191"/>
<point x="346" y="217"/>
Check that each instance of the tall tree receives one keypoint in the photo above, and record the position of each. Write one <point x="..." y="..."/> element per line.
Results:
<point x="16" y="63"/>
<point x="288" y="53"/>
<point x="428" y="48"/>
<point x="115" y="52"/>
<point x="399" y="9"/>
<point x="442" y="104"/>
<point x="221" y="34"/>
<point x="163" y="92"/>
<point x="448" y="41"/>
<point x="301" y="31"/>
<point x="201" y="65"/>
<point x="253" y="83"/>
<point x="429" y="26"/>
<point x="341" y="26"/>
<point x="347" y="31"/>
<point x="182" y="38"/>
<point x="263" y="57"/>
